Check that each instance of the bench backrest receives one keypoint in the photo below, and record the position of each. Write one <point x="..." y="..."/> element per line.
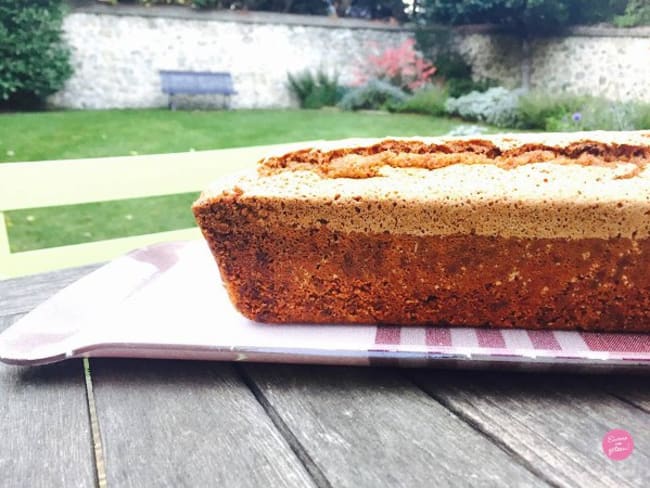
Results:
<point x="68" y="182"/>
<point x="196" y="82"/>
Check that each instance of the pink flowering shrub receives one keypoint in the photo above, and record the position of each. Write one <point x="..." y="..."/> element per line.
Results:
<point x="402" y="66"/>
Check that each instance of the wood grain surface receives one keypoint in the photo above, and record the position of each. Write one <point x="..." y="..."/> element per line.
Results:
<point x="634" y="390"/>
<point x="371" y="427"/>
<point x="182" y="423"/>
<point x="554" y="422"/>
<point x="44" y="431"/>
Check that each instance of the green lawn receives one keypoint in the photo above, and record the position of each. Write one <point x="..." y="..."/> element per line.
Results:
<point x="78" y="134"/>
<point x="87" y="134"/>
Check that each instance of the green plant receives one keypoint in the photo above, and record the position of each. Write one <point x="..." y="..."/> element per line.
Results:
<point x="539" y="16"/>
<point x="602" y="114"/>
<point x="536" y="109"/>
<point x="401" y="66"/>
<point x="318" y="7"/>
<point x="373" y="95"/>
<point x="430" y="100"/>
<point x="637" y="12"/>
<point x="642" y="117"/>
<point x="570" y="112"/>
<point x="315" y="90"/>
<point x="34" y="61"/>
<point x="205" y="3"/>
<point x="458" y="87"/>
<point x="524" y="19"/>
<point x="451" y="65"/>
<point x="200" y="4"/>
<point x="497" y="106"/>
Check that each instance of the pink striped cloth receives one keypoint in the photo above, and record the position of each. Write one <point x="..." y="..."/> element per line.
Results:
<point x="517" y="345"/>
<point x="166" y="301"/>
<point x="627" y="345"/>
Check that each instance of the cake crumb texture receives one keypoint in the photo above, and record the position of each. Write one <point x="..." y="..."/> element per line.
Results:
<point x="535" y="231"/>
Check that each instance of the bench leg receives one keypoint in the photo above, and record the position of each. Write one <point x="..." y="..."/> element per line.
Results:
<point x="172" y="105"/>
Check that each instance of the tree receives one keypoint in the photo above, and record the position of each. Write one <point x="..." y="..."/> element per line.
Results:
<point x="312" y="7"/>
<point x="374" y="9"/>
<point x="523" y="18"/>
<point x="34" y="61"/>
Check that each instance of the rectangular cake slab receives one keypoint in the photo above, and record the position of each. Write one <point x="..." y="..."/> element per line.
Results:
<point x="542" y="231"/>
<point x="164" y="302"/>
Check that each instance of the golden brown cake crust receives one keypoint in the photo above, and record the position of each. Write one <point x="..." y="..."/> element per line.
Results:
<point x="366" y="161"/>
<point x="481" y="243"/>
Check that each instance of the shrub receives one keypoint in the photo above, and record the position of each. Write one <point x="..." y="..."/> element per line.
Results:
<point x="568" y="112"/>
<point x="318" y="7"/>
<point x="374" y="95"/>
<point x="451" y="65"/>
<point x="496" y="106"/>
<point x="205" y="3"/>
<point x="191" y="3"/>
<point x="457" y="74"/>
<point x="642" y="117"/>
<point x="430" y="100"/>
<point x="536" y="109"/>
<point x="34" y="61"/>
<point x="601" y="114"/>
<point x="402" y="66"/>
<point x="637" y="12"/>
<point x="551" y="112"/>
<point x="315" y="91"/>
<point x="532" y="17"/>
<point x="457" y="87"/>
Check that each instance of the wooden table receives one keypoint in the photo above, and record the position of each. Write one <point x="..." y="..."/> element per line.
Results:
<point x="147" y="423"/>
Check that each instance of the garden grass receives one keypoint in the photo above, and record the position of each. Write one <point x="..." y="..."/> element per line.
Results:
<point x="83" y="134"/>
<point x="88" y="134"/>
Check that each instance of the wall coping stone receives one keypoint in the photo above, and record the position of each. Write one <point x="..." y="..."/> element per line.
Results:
<point x="239" y="16"/>
<point x="180" y="12"/>
<point x="602" y="30"/>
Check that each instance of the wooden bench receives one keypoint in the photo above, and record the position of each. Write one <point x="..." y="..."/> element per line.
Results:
<point x="196" y="83"/>
<point x="70" y="182"/>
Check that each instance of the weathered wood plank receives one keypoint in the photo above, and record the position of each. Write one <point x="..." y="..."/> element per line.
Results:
<point x="180" y="423"/>
<point x="22" y="294"/>
<point x="632" y="389"/>
<point x="554" y="422"/>
<point x="44" y="428"/>
<point x="370" y="427"/>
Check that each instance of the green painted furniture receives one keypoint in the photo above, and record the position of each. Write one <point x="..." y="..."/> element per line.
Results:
<point x="68" y="182"/>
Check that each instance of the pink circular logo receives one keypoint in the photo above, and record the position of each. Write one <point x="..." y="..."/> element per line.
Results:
<point x="618" y="444"/>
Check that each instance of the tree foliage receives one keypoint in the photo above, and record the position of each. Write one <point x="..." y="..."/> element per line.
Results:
<point x="34" y="60"/>
<point x="524" y="17"/>
<point x="368" y="9"/>
<point x="315" y="7"/>
<point x="637" y="12"/>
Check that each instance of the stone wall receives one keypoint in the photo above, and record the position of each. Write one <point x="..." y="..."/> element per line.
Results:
<point x="605" y="61"/>
<point x="117" y="53"/>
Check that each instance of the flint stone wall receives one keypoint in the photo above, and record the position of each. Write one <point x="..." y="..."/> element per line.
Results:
<point x="117" y="53"/>
<point x="605" y="61"/>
